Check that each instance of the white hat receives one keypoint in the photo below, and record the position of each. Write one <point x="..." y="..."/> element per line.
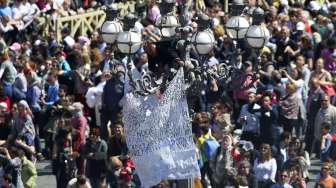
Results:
<point x="314" y="6"/>
<point x="76" y="106"/>
<point x="300" y="26"/>
<point x="23" y="103"/>
<point x="213" y="61"/>
<point x="69" y="41"/>
<point x="3" y="105"/>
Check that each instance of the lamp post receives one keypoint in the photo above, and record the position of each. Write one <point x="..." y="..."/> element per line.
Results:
<point x="111" y="27"/>
<point x="236" y="27"/>
<point x="168" y="22"/>
<point x="203" y="41"/>
<point x="129" y="42"/>
<point x="257" y="34"/>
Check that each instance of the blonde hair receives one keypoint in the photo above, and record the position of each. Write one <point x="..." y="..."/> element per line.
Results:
<point x="219" y="31"/>
<point x="96" y="56"/>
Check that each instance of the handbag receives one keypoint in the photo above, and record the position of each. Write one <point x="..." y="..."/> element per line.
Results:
<point x="329" y="90"/>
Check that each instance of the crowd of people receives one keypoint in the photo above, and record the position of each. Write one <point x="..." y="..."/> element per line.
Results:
<point x="260" y="130"/>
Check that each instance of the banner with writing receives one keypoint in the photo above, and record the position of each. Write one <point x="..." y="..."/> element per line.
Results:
<point x="158" y="135"/>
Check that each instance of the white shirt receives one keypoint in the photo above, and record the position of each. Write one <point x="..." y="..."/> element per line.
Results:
<point x="266" y="170"/>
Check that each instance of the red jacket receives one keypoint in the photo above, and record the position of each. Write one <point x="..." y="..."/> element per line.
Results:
<point x="7" y="101"/>
<point x="79" y="124"/>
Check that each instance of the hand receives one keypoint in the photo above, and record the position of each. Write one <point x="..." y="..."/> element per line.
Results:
<point x="269" y="107"/>
<point x="90" y="155"/>
<point x="60" y="72"/>
<point x="18" y="142"/>
<point x="242" y="119"/>
<point x="75" y="154"/>
<point x="328" y="137"/>
<point x="4" y="150"/>
<point x="180" y="62"/>
<point x="283" y="72"/>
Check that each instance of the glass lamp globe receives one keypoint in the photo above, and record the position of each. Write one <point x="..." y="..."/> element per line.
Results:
<point x="236" y="27"/>
<point x="257" y="36"/>
<point x="110" y="31"/>
<point x="203" y="42"/>
<point x="167" y="25"/>
<point x="129" y="42"/>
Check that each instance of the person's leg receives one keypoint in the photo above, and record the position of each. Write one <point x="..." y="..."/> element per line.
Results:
<point x="309" y="135"/>
<point x="8" y="89"/>
<point x="104" y="123"/>
<point x="80" y="165"/>
<point x="93" y="182"/>
<point x="37" y="141"/>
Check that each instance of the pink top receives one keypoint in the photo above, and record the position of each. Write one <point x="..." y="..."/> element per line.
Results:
<point x="79" y="124"/>
<point x="153" y="13"/>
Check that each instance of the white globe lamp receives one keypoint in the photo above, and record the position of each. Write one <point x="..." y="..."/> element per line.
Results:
<point x="236" y="27"/>
<point x="203" y="42"/>
<point x="129" y="42"/>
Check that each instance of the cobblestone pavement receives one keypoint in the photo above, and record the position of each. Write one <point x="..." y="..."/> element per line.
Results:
<point x="47" y="180"/>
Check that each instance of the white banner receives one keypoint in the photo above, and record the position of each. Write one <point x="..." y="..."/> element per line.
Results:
<point x="158" y="135"/>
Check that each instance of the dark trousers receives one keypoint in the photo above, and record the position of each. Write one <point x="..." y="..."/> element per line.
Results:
<point x="290" y="124"/>
<point x="252" y="137"/>
<point x="205" y="170"/>
<point x="37" y="123"/>
<point x="106" y="117"/>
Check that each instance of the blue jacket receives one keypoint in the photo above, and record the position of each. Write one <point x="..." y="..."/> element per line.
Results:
<point x="33" y="98"/>
<point x="52" y="94"/>
<point x="64" y="66"/>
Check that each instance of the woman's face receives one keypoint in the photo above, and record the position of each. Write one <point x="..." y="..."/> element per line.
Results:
<point x="216" y="110"/>
<point x="297" y="144"/>
<point x="319" y="65"/>
<point x="294" y="73"/>
<point x="226" y="142"/>
<point x="118" y="130"/>
<point x="264" y="149"/>
<point x="266" y="101"/>
<point x="22" y="109"/>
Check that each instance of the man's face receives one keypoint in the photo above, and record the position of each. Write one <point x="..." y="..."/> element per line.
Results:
<point x="283" y="178"/>
<point x="300" y="61"/>
<point x="107" y="53"/>
<point x="325" y="101"/>
<point x="266" y="101"/>
<point x="51" y="79"/>
<point x="251" y="97"/>
<point x="143" y="58"/>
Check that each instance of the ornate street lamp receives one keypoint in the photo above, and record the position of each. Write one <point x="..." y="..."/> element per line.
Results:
<point x="236" y="27"/>
<point x="203" y="40"/>
<point x="168" y="22"/>
<point x="129" y="41"/>
<point x="257" y="34"/>
<point x="111" y="27"/>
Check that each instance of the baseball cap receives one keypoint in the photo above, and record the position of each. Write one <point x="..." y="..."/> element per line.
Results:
<point x="300" y="26"/>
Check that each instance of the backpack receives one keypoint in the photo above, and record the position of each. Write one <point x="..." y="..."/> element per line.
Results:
<point x="210" y="147"/>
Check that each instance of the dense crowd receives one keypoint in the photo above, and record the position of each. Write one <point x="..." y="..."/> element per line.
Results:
<point x="260" y="130"/>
